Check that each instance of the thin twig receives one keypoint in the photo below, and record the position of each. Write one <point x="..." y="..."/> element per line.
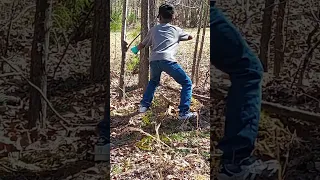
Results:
<point x="9" y="74"/>
<point x="18" y="17"/>
<point x="134" y="40"/>
<point x="68" y="43"/>
<point x="143" y="132"/>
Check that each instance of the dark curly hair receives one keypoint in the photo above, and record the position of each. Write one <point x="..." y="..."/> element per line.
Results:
<point x="166" y="11"/>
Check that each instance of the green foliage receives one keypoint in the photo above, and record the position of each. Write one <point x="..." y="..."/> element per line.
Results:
<point x="116" y="169"/>
<point x="178" y="136"/>
<point x="145" y="143"/>
<point x="132" y="18"/>
<point x="156" y="102"/>
<point x="134" y="33"/>
<point x="68" y="13"/>
<point x="116" y="18"/>
<point x="146" y="119"/>
<point x="133" y="64"/>
<point x="165" y="139"/>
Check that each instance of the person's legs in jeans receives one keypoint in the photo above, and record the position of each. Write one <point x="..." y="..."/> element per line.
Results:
<point x="155" y="74"/>
<point x="174" y="70"/>
<point x="231" y="54"/>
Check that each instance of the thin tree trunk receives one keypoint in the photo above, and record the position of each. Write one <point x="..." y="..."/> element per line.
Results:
<point x="309" y="54"/>
<point x="193" y="21"/>
<point x="100" y="40"/>
<point x="279" y="53"/>
<point x="266" y="34"/>
<point x="38" y="70"/>
<point x="196" y="46"/>
<point x="144" y="53"/>
<point x="152" y="13"/>
<point x="9" y="28"/>
<point x="123" y="49"/>
<point x="205" y="22"/>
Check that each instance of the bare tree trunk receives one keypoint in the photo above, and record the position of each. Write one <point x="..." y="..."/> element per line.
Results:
<point x="107" y="79"/>
<point x="193" y="20"/>
<point x="278" y="46"/>
<point x="144" y="53"/>
<point x="196" y="46"/>
<point x="266" y="34"/>
<point x="309" y="54"/>
<point x="100" y="40"/>
<point x="185" y="17"/>
<point x="9" y="28"/>
<point x="123" y="49"/>
<point x="205" y="22"/>
<point x="152" y="13"/>
<point x="38" y="70"/>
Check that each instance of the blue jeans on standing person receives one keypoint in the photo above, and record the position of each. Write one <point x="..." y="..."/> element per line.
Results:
<point x="104" y="127"/>
<point x="174" y="70"/>
<point x="232" y="55"/>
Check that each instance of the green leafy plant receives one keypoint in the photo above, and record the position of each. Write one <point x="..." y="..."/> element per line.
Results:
<point x="69" y="13"/>
<point x="134" y="33"/>
<point x="145" y="143"/>
<point x="146" y="119"/>
<point x="132" y="18"/>
<point x="133" y="64"/>
<point x="116" y="18"/>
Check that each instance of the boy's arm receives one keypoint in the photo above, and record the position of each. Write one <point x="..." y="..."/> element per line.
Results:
<point x="145" y="43"/>
<point x="183" y="36"/>
<point x="141" y="46"/>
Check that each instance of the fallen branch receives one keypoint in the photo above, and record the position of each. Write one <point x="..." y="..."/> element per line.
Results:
<point x="8" y="74"/>
<point x="9" y="99"/>
<point x="268" y="106"/>
<point x="277" y="108"/>
<point x="145" y="133"/>
<point x="39" y="90"/>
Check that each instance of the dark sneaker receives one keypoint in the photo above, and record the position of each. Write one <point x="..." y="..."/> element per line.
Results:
<point x="249" y="169"/>
<point x="102" y="141"/>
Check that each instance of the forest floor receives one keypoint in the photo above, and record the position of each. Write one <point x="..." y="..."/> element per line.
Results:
<point x="137" y="154"/>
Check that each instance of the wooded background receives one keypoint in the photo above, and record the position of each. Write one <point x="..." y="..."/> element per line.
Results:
<point x="152" y="145"/>
<point x="55" y="61"/>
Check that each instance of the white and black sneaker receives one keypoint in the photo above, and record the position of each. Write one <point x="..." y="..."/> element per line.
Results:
<point x="249" y="169"/>
<point x="143" y="109"/>
<point x="187" y="116"/>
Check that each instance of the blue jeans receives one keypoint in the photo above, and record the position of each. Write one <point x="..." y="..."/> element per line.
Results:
<point x="104" y="125"/>
<point x="174" y="70"/>
<point x="232" y="55"/>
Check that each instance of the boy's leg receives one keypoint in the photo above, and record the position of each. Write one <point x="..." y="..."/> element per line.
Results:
<point x="177" y="73"/>
<point x="155" y="74"/>
<point x="231" y="54"/>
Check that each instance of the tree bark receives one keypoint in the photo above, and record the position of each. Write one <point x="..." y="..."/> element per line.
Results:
<point x="100" y="42"/>
<point x="193" y="20"/>
<point x="144" y="53"/>
<point x="196" y="46"/>
<point x="39" y="58"/>
<point x="152" y="13"/>
<point x="123" y="49"/>
<point x="278" y="46"/>
<point x="266" y="34"/>
<point x="205" y="22"/>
